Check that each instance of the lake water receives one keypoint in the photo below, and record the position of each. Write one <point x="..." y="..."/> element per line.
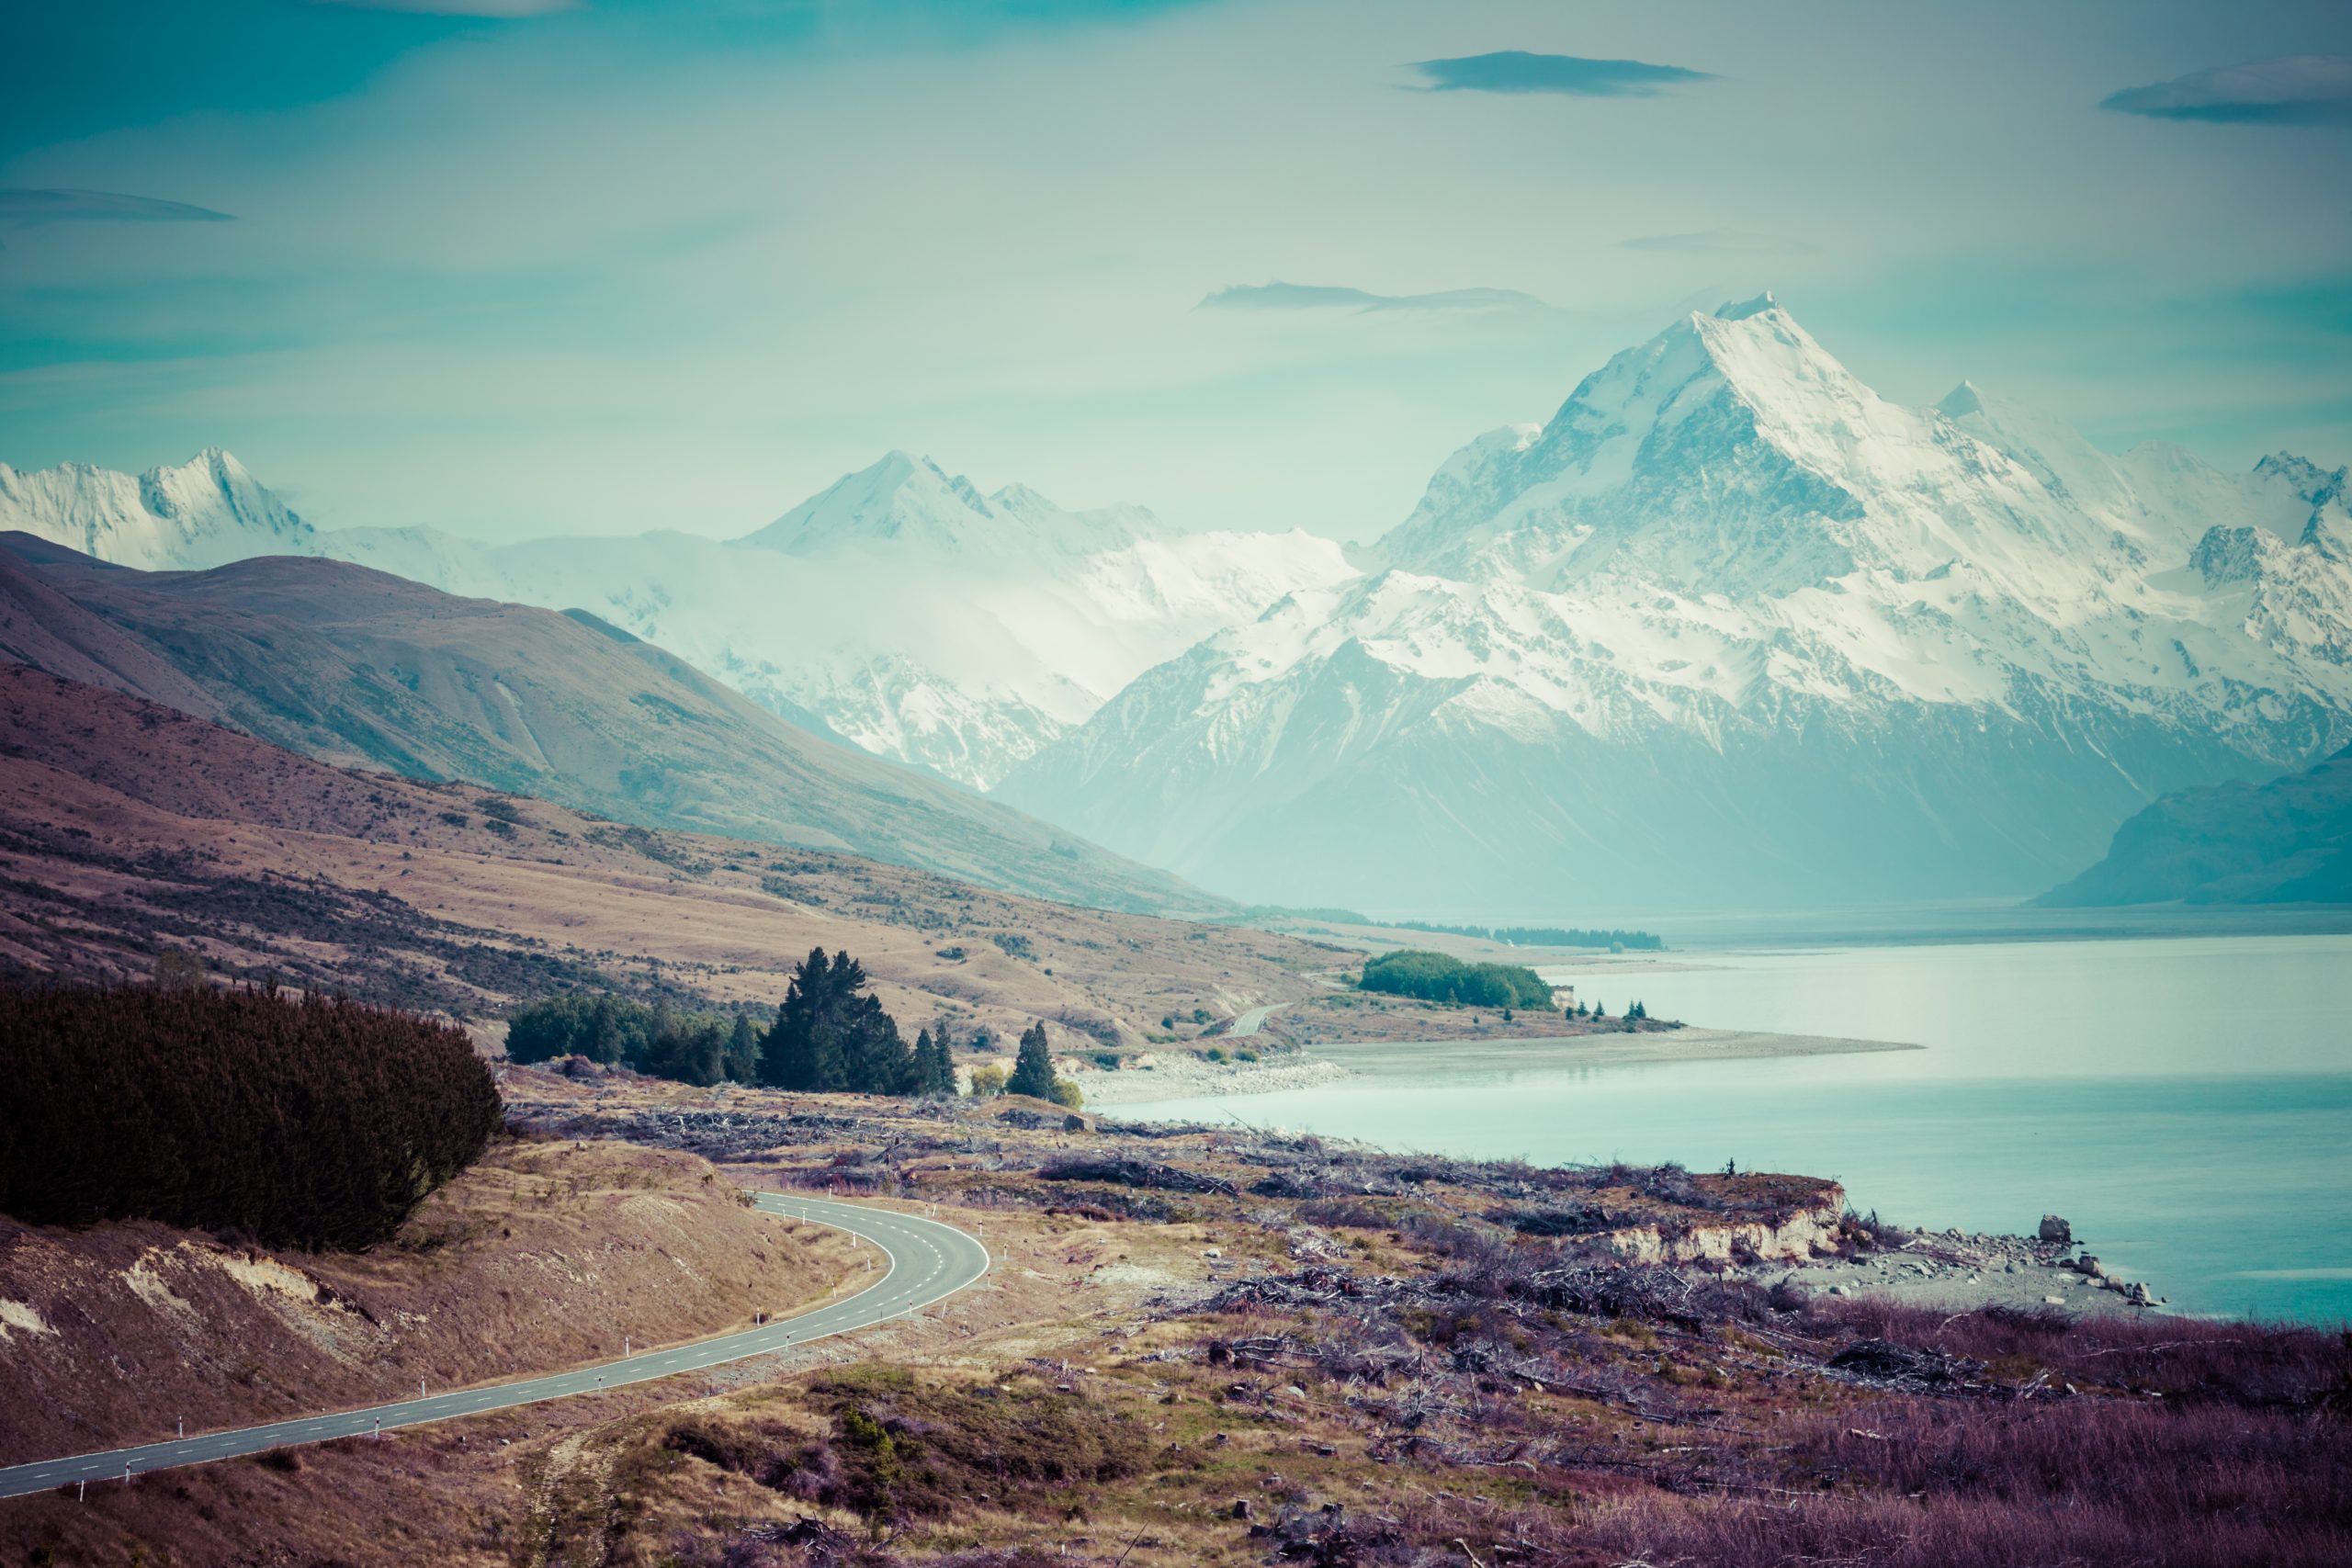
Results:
<point x="2186" y="1103"/>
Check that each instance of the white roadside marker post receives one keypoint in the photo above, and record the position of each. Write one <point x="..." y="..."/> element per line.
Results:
<point x="183" y="1425"/>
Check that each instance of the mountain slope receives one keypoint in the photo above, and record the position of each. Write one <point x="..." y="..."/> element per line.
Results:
<point x="1730" y="627"/>
<point x="357" y="667"/>
<point x="905" y="611"/>
<point x="131" y="829"/>
<point x="900" y="609"/>
<point x="2286" y="841"/>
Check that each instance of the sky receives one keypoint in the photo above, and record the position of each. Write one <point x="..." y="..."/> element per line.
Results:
<point x="521" y="267"/>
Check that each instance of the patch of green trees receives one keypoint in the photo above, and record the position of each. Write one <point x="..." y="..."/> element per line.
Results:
<point x="308" y="1123"/>
<point x="1437" y="977"/>
<point x="614" y="1032"/>
<point x="832" y="1035"/>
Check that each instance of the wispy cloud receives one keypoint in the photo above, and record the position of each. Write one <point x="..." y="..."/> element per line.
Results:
<point x="24" y="206"/>
<point x="2296" y="89"/>
<point x="1722" y="242"/>
<point x="1280" y="296"/>
<point x="500" y="8"/>
<point x="1516" y="70"/>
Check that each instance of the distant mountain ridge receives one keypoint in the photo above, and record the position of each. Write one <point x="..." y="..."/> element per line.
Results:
<point x="357" y="667"/>
<point x="1730" y="628"/>
<point x="900" y="609"/>
<point x="195" y="515"/>
<point x="2283" y="843"/>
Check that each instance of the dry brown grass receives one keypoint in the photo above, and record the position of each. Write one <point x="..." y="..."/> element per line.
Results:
<point x="541" y="1256"/>
<point x="1376" y="1367"/>
<point x="121" y="840"/>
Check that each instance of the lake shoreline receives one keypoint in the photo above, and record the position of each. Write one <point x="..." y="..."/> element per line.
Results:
<point x="1174" y="1077"/>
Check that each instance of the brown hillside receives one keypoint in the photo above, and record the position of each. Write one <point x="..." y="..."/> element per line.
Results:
<point x="363" y="669"/>
<point x="541" y="1257"/>
<point x="127" y="828"/>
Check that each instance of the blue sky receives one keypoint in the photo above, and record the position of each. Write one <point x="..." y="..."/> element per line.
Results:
<point x="514" y="266"/>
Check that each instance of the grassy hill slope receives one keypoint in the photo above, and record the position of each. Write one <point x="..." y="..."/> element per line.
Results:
<point x="363" y="669"/>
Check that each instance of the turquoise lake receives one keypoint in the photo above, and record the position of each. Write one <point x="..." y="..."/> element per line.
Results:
<point x="2186" y="1102"/>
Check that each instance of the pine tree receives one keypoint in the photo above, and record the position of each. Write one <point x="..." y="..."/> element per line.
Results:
<point x="942" y="1066"/>
<point x="742" y="1055"/>
<point x="1033" y="1068"/>
<point x="788" y="1055"/>
<point x="935" y="1072"/>
<point x="874" y="1059"/>
<point x="830" y="1037"/>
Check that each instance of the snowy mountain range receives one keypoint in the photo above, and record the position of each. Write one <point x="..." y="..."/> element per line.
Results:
<point x="204" y="513"/>
<point x="900" y="609"/>
<point x="1730" y="628"/>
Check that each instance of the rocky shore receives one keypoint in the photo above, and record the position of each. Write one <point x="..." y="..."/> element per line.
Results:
<point x="1176" y="1075"/>
<point x="1949" y="1269"/>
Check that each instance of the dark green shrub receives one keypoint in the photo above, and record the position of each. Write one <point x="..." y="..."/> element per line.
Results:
<point x="310" y="1122"/>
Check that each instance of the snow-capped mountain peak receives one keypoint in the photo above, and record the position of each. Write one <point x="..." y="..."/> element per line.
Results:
<point x="902" y="609"/>
<point x="1731" y="624"/>
<point x="1740" y="311"/>
<point x="1729" y="453"/>
<point x="908" y="503"/>
<point x="198" y="514"/>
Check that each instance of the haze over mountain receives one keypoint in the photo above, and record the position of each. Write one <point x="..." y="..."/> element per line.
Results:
<point x="357" y="667"/>
<point x="900" y="608"/>
<point x="1733" y="628"/>
<point x="2286" y="841"/>
<point x="1730" y="628"/>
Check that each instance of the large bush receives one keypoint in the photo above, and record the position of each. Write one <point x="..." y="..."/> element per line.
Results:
<point x="310" y="1122"/>
<point x="1434" y="977"/>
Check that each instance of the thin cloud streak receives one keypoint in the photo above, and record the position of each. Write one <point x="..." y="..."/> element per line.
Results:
<point x="2296" y="90"/>
<point x="26" y="207"/>
<point x="1517" y="70"/>
<point x="1722" y="242"/>
<point x="502" y="10"/>
<point x="1281" y="296"/>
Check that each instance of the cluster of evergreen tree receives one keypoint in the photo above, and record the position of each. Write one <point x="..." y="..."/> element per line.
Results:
<point x="312" y="1123"/>
<point x="693" y="1047"/>
<point x="1634" y="1014"/>
<point x="1436" y="978"/>
<point x="832" y="1035"/>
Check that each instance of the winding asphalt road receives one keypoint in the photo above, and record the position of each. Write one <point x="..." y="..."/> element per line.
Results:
<point x="928" y="1262"/>
<point x="1249" y="1022"/>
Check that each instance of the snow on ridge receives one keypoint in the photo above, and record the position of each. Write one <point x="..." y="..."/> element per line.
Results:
<point x="903" y="501"/>
<point x="198" y="514"/>
<point x="1723" y="539"/>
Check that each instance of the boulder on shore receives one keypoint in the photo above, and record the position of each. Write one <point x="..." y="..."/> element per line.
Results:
<point x="2055" y="1228"/>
